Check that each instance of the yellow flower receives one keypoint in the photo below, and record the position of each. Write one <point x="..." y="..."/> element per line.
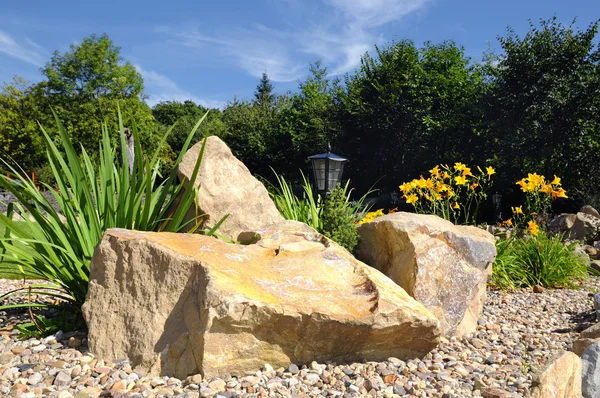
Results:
<point x="429" y="183"/>
<point x="473" y="186"/>
<point x="412" y="199"/>
<point x="547" y="188"/>
<point x="435" y="172"/>
<point x="460" y="180"/>
<point x="508" y="223"/>
<point x="456" y="206"/>
<point x="406" y="187"/>
<point x="459" y="166"/>
<point x="534" y="229"/>
<point x="556" y="181"/>
<point x="467" y="172"/>
<point x="445" y="175"/>
<point x="560" y="193"/>
<point x="490" y="170"/>
<point x="517" y="210"/>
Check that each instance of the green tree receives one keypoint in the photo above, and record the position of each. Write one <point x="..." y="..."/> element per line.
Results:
<point x="264" y="91"/>
<point x="20" y="137"/>
<point x="310" y="121"/>
<point x="85" y="84"/>
<point x="183" y="116"/>
<point x="543" y="107"/>
<point x="406" y="108"/>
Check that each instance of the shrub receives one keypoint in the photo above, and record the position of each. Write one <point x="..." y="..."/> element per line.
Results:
<point x="312" y="209"/>
<point x="537" y="260"/>
<point x="454" y="194"/>
<point x="339" y="219"/>
<point x="56" y="245"/>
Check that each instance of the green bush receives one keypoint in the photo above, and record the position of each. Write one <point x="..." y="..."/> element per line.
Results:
<point x="339" y="218"/>
<point x="335" y="216"/>
<point x="537" y="260"/>
<point x="56" y="245"/>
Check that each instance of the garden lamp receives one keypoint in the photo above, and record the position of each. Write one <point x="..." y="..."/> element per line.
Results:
<point x="327" y="169"/>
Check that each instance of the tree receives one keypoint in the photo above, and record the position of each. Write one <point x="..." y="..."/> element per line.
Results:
<point x="182" y="117"/>
<point x="20" y="137"/>
<point x="543" y="107"/>
<point x="408" y="109"/>
<point x="85" y="85"/>
<point x="264" y="91"/>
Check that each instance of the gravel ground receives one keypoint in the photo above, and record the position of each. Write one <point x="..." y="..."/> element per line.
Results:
<point x="517" y="333"/>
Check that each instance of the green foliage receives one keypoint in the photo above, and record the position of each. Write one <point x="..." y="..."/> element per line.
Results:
<point x="339" y="219"/>
<point x="537" y="260"/>
<point x="334" y="216"/>
<point x="19" y="133"/>
<point x="56" y="245"/>
<point x="542" y="106"/>
<point x="308" y="210"/>
<point x="264" y="91"/>
<point x="407" y="106"/>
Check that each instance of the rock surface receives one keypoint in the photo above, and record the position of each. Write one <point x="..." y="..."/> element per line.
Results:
<point x="586" y="338"/>
<point x="589" y="210"/>
<point x="443" y="266"/>
<point x="560" y="378"/>
<point x="182" y="304"/>
<point x="227" y="187"/>
<point x="562" y="223"/>
<point x="591" y="371"/>
<point x="585" y="228"/>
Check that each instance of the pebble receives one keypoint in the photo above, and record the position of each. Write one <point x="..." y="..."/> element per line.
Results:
<point x="516" y="333"/>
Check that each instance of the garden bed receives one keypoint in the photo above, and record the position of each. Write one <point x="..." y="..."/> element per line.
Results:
<point x="517" y="332"/>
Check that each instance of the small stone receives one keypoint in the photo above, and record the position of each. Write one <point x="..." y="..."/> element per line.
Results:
<point x="59" y="364"/>
<point x="268" y="368"/>
<point x="75" y="371"/>
<point x="18" y="350"/>
<point x="217" y="385"/>
<point x="74" y="343"/>
<point x="538" y="289"/>
<point x="35" y="379"/>
<point x="62" y="379"/>
<point x="293" y="369"/>
<point x="39" y="348"/>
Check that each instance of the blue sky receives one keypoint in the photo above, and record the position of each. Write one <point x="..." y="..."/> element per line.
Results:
<point x="213" y="51"/>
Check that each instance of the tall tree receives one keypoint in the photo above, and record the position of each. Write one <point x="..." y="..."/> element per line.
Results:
<point x="20" y="137"/>
<point x="84" y="86"/>
<point x="264" y="91"/>
<point x="406" y="109"/>
<point x="544" y="104"/>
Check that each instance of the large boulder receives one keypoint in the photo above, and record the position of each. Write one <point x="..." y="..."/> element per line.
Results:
<point x="559" y="378"/>
<point x="590" y="211"/>
<point x="227" y="187"/>
<point x="182" y="304"/>
<point x="444" y="266"/>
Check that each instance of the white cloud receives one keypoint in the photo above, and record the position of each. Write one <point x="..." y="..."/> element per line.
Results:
<point x="161" y="88"/>
<point x="255" y="50"/>
<point x="339" y="32"/>
<point x="27" y="50"/>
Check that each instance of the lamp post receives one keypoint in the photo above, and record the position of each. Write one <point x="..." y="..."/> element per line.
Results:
<point x="327" y="170"/>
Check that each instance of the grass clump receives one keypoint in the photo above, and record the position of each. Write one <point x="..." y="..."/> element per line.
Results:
<point x="537" y="260"/>
<point x="56" y="245"/>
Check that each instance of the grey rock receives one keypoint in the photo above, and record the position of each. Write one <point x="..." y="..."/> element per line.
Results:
<point x="589" y="210"/>
<point x="590" y="359"/>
